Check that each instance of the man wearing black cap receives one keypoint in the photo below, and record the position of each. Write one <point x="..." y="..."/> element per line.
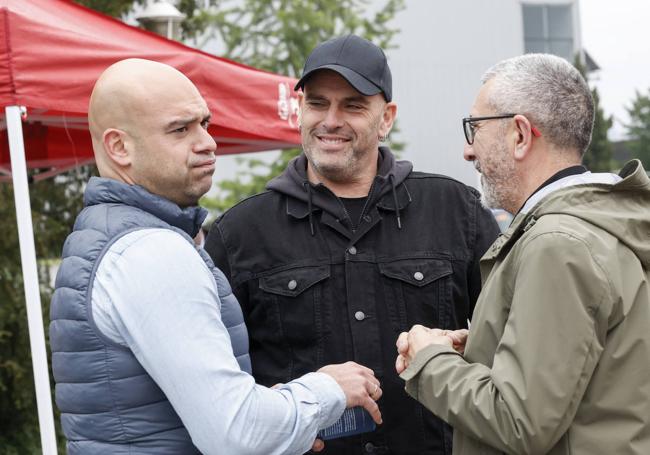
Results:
<point x="349" y="247"/>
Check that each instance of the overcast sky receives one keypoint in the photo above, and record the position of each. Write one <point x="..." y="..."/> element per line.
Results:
<point x="616" y="33"/>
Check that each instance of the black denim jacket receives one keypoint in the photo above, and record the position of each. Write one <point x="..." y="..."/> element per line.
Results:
<point x="316" y="292"/>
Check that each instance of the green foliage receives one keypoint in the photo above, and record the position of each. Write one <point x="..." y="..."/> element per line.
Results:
<point x="19" y="432"/>
<point x="639" y="128"/>
<point x="277" y="36"/>
<point x="598" y="157"/>
<point x="55" y="203"/>
<point x="115" y="8"/>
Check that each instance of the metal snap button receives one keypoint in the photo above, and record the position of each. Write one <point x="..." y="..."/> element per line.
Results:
<point x="369" y="447"/>
<point x="359" y="315"/>
<point x="352" y="250"/>
<point x="367" y="218"/>
<point x="418" y="276"/>
<point x="293" y="284"/>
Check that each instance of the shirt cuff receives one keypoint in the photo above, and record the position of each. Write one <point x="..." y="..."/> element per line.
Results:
<point x="420" y="361"/>
<point x="329" y="395"/>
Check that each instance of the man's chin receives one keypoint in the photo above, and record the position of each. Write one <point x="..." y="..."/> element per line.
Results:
<point x="331" y="169"/>
<point x="487" y="203"/>
<point x="487" y="197"/>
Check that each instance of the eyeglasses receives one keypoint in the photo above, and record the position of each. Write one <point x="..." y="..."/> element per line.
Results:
<point x="470" y="130"/>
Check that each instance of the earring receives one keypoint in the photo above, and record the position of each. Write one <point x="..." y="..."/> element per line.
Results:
<point x="383" y="137"/>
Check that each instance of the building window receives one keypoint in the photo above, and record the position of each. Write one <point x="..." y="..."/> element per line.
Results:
<point x="549" y="29"/>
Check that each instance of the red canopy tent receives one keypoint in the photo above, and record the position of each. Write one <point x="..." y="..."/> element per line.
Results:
<point x="51" y="53"/>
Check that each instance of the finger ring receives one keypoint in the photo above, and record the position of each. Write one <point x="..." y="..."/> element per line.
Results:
<point x="374" y="391"/>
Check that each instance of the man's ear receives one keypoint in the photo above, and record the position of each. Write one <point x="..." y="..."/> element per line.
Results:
<point x="523" y="137"/>
<point x="116" y="146"/>
<point x="388" y="118"/>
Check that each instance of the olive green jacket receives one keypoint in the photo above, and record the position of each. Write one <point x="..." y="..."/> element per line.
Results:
<point x="558" y="355"/>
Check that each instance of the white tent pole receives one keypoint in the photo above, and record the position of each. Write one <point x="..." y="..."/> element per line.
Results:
<point x="30" y="280"/>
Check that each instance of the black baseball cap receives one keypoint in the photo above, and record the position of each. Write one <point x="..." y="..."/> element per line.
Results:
<point x="359" y="61"/>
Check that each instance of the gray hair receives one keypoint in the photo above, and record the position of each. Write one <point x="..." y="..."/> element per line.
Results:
<point x="550" y="92"/>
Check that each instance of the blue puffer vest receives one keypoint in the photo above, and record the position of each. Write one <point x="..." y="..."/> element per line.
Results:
<point x="108" y="402"/>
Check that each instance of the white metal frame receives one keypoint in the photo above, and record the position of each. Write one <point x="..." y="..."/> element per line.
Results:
<point x="30" y="279"/>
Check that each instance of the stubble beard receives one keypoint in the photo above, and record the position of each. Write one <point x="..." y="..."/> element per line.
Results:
<point x="341" y="169"/>
<point x="334" y="171"/>
<point x="500" y="184"/>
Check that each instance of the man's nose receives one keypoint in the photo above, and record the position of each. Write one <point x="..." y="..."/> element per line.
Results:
<point x="468" y="153"/>
<point x="333" y="118"/>
<point x="205" y="143"/>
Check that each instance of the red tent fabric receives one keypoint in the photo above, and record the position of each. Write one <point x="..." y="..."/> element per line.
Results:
<point x="52" y="51"/>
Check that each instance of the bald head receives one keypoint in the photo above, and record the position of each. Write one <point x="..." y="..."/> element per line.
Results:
<point x="125" y="95"/>
<point x="149" y="125"/>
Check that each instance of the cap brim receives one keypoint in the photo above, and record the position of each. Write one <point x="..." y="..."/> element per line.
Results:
<point x="360" y="83"/>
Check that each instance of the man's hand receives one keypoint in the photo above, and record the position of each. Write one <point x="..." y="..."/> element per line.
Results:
<point x="459" y="339"/>
<point x="359" y="384"/>
<point x="411" y="342"/>
<point x="318" y="445"/>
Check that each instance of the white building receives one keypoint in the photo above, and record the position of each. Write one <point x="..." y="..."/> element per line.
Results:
<point x="444" y="48"/>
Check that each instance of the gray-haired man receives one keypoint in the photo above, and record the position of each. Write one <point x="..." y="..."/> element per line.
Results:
<point x="558" y="356"/>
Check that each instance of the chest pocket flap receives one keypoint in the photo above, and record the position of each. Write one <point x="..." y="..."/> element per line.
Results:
<point x="293" y="282"/>
<point x="417" y="272"/>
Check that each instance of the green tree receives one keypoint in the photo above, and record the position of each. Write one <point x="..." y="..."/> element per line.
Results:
<point x="55" y="203"/>
<point x="638" y="129"/>
<point x="598" y="157"/>
<point x="116" y="8"/>
<point x="277" y="36"/>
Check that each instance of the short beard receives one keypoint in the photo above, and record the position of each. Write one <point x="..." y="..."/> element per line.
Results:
<point x="334" y="173"/>
<point x="499" y="190"/>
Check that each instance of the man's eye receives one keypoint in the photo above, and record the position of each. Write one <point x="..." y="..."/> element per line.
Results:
<point x="205" y="124"/>
<point x="182" y="129"/>
<point x="315" y="103"/>
<point x="355" y="107"/>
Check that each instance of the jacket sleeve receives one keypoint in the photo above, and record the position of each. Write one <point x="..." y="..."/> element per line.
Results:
<point x="216" y="248"/>
<point x="551" y="343"/>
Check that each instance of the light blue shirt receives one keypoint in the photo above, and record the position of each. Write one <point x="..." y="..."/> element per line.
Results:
<point x="154" y="294"/>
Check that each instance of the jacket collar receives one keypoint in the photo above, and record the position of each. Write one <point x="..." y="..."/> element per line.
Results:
<point x="293" y="182"/>
<point x="630" y="175"/>
<point x="299" y="209"/>
<point x="108" y="191"/>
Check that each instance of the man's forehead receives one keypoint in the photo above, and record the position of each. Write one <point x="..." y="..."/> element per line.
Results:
<point x="188" y="111"/>
<point x="325" y="82"/>
<point x="481" y="102"/>
<point x="165" y="110"/>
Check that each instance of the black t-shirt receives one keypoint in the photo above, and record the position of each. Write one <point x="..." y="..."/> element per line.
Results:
<point x="354" y="206"/>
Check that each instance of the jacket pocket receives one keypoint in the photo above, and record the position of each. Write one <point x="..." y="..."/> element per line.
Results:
<point x="420" y="290"/>
<point x="291" y="306"/>
<point x="293" y="282"/>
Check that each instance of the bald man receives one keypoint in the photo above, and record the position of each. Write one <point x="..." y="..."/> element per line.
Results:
<point x="149" y="347"/>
